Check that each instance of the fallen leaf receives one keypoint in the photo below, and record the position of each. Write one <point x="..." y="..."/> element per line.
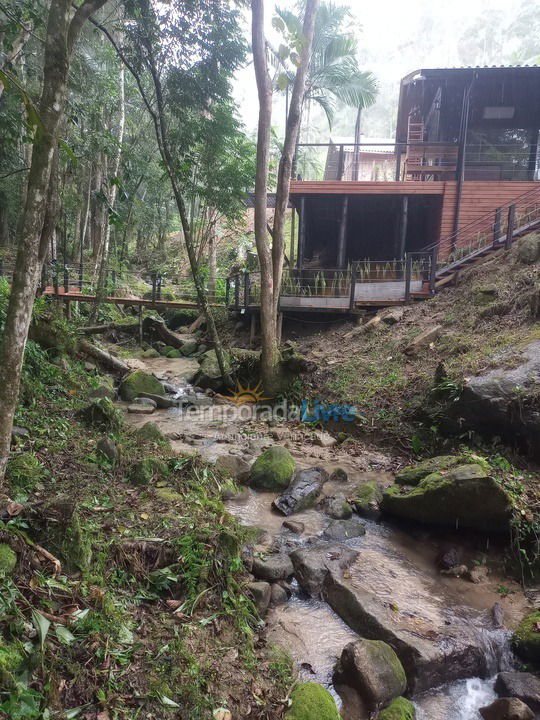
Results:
<point x="14" y="508"/>
<point x="144" y="516"/>
<point x="173" y="604"/>
<point x="222" y="714"/>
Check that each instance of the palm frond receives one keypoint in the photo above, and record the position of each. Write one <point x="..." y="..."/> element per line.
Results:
<point x="359" y="92"/>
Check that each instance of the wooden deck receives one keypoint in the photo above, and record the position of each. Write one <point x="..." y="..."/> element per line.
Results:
<point x="76" y="296"/>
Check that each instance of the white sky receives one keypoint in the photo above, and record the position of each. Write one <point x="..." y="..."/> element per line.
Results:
<point x="396" y="37"/>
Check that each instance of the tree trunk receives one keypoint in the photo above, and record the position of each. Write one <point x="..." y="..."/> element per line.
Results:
<point x="212" y="264"/>
<point x="61" y="36"/>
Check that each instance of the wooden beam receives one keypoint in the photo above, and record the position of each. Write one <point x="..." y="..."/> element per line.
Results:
<point x="342" y="241"/>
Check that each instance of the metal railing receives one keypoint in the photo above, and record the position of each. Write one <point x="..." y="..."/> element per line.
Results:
<point x="421" y="161"/>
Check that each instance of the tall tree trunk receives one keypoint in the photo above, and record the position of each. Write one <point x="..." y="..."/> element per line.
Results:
<point x="271" y="263"/>
<point x="62" y="33"/>
<point x="212" y="264"/>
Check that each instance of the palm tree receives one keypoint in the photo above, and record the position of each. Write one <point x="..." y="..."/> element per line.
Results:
<point x="334" y="76"/>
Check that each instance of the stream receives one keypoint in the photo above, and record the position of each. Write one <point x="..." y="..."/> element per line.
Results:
<point x="396" y="566"/>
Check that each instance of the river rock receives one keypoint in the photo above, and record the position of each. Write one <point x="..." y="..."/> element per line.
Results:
<point x="272" y="568"/>
<point x="19" y="433"/>
<point x="145" y="401"/>
<point x="295" y="527"/>
<point x="107" y="447"/>
<point x="373" y="669"/>
<point x="161" y="401"/>
<point x="522" y="685"/>
<point x="140" y="382"/>
<point x="478" y="574"/>
<point x="189" y="347"/>
<point x="303" y="491"/>
<point x="409" y="614"/>
<point x="503" y="401"/>
<point x="449" y="558"/>
<point x="237" y="466"/>
<point x="507" y="709"/>
<point x="278" y="595"/>
<point x="140" y="409"/>
<point x="324" y="439"/>
<point x="526" y="638"/>
<point x="399" y="709"/>
<point x="412" y="474"/>
<point x="209" y="374"/>
<point x="366" y="499"/>
<point x="261" y="593"/>
<point x="272" y="470"/>
<point x="337" y="507"/>
<point x="312" y="564"/>
<point x="310" y="701"/>
<point x="103" y="391"/>
<point x="465" y="496"/>
<point x="342" y="530"/>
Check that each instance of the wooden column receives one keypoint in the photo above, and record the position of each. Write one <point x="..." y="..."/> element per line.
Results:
<point x="403" y="223"/>
<point x="301" y="232"/>
<point x="293" y="228"/>
<point x="342" y="242"/>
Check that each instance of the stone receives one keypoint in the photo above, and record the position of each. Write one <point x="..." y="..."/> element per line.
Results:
<point x="449" y="558"/>
<point x="399" y="709"/>
<point x="145" y="471"/>
<point x="102" y="414"/>
<point x="373" y="670"/>
<point x="161" y="401"/>
<point x="528" y="249"/>
<point x="478" y="574"/>
<point x="456" y="571"/>
<point x="189" y="347"/>
<point x="522" y="685"/>
<point x="235" y="465"/>
<point x="201" y="401"/>
<point x="173" y="354"/>
<point x="497" y="615"/>
<point x="209" y="374"/>
<point x="312" y="564"/>
<point x="310" y="701"/>
<point x="507" y="709"/>
<point x="150" y="353"/>
<point x="141" y="409"/>
<point x="151" y="432"/>
<point x="8" y="560"/>
<point x="19" y="433"/>
<point x="272" y="568"/>
<point x="303" y="491"/>
<point x="169" y="495"/>
<point x="526" y="638"/>
<point x="337" y="507"/>
<point x="339" y="475"/>
<point x="160" y="347"/>
<point x="366" y="499"/>
<point x="391" y="315"/>
<point x="278" y="596"/>
<point x="342" y="530"/>
<point x="140" y="382"/>
<point x="261" y="593"/>
<point x="465" y="496"/>
<point x="107" y="447"/>
<point x="324" y="439"/>
<point x="412" y="474"/>
<point x="272" y="470"/>
<point x="295" y="527"/>
<point x="103" y="391"/>
<point x="145" y="401"/>
<point x="423" y="340"/>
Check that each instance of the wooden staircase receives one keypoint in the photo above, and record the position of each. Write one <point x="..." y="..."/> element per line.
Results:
<point x="482" y="239"/>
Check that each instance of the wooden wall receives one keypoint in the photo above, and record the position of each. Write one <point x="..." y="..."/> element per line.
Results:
<point x="477" y="199"/>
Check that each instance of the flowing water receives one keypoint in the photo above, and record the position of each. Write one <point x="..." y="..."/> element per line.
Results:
<point x="395" y="564"/>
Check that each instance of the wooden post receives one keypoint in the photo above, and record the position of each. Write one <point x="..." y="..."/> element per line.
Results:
<point x="154" y="280"/>
<point x="55" y="280"/>
<point x="301" y="232"/>
<point x="158" y="286"/>
<point x="342" y="241"/>
<point x="237" y="292"/>
<point x="247" y="288"/>
<point x="403" y="226"/>
<point x="399" y="150"/>
<point x="341" y="162"/>
<point x="293" y="228"/>
<point x="510" y="228"/>
<point x="353" y="286"/>
<point x="67" y="309"/>
<point x="408" y="272"/>
<point x="433" y="273"/>
<point x="497" y="226"/>
<point x="66" y="279"/>
<point x="227" y="291"/>
<point x="114" y="279"/>
<point x="80" y="276"/>
<point x="141" y="308"/>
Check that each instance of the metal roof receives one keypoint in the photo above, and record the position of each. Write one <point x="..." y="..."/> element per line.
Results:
<point x="466" y="69"/>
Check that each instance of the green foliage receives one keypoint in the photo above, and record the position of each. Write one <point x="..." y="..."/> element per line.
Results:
<point x="24" y="471"/>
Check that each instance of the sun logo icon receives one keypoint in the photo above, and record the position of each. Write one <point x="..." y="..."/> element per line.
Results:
<point x="247" y="394"/>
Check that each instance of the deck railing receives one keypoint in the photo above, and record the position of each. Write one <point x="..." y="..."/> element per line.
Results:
<point x="421" y="161"/>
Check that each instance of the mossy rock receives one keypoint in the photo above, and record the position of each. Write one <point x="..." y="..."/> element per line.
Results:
<point x="528" y="249"/>
<point x="310" y="701"/>
<point x="148" y="469"/>
<point x="412" y="474"/>
<point x="140" y="382"/>
<point x="8" y="560"/>
<point x="151" y="433"/>
<point x="526" y="638"/>
<point x="11" y="662"/>
<point x="209" y="374"/>
<point x="150" y="353"/>
<point x="465" y="496"/>
<point x="189" y="347"/>
<point x="272" y="470"/>
<point x="24" y="471"/>
<point x="367" y="497"/>
<point x="174" y="354"/>
<point x="102" y="414"/>
<point x="169" y="495"/>
<point x="399" y="709"/>
<point x="164" y="349"/>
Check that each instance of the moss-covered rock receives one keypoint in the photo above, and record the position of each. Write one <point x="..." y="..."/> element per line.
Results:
<point x="8" y="560"/>
<point x="148" y="469"/>
<point x="412" y="474"/>
<point x="151" y="433"/>
<point x="526" y="638"/>
<point x="102" y="414"/>
<point x="310" y="701"/>
<point x="11" y="661"/>
<point x="174" y="354"/>
<point x="137" y="382"/>
<point x="528" y="249"/>
<point x="150" y="353"/>
<point x="366" y="498"/>
<point x="24" y="471"/>
<point x="465" y="496"/>
<point x="209" y="374"/>
<point x="169" y="495"/>
<point x="189" y="347"/>
<point x="399" y="709"/>
<point x="272" y="470"/>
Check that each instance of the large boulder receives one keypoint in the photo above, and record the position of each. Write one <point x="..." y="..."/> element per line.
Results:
<point x="272" y="470"/>
<point x="504" y="401"/>
<point x="342" y="530"/>
<point x="373" y="670"/>
<point x="526" y="638"/>
<point x="209" y="374"/>
<point x="272" y="568"/>
<point x="312" y="564"/>
<point x="302" y="492"/>
<point x="522" y="685"/>
<point x="310" y="701"/>
<point x="261" y="594"/>
<point x="465" y="496"/>
<point x="399" y="709"/>
<point x="412" y="474"/>
<point x="527" y="250"/>
<point x="507" y="709"/>
<point x="139" y="382"/>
